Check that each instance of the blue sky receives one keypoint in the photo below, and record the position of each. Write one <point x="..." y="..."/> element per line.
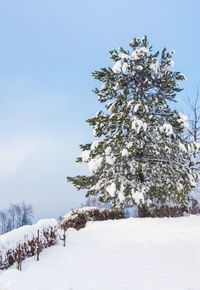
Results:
<point x="48" y="50"/>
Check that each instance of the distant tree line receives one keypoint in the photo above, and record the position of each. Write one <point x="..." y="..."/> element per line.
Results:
<point x="17" y="215"/>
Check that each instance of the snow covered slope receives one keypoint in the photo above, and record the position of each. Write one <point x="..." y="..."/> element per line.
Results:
<point x="131" y="254"/>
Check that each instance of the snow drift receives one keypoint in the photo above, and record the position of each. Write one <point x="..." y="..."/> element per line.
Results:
<point x="30" y="238"/>
<point x="128" y="254"/>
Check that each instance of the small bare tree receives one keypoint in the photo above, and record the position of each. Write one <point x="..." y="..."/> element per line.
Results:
<point x="27" y="213"/>
<point x="18" y="212"/>
<point x="3" y="219"/>
<point x="194" y="116"/>
<point x="193" y="131"/>
<point x="12" y="215"/>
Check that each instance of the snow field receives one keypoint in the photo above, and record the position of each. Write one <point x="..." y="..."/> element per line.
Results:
<point x="130" y="254"/>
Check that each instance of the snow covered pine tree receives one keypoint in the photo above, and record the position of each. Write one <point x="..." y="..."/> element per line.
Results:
<point x="139" y="155"/>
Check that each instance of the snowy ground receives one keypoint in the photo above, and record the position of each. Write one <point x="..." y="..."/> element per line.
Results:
<point x="132" y="254"/>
